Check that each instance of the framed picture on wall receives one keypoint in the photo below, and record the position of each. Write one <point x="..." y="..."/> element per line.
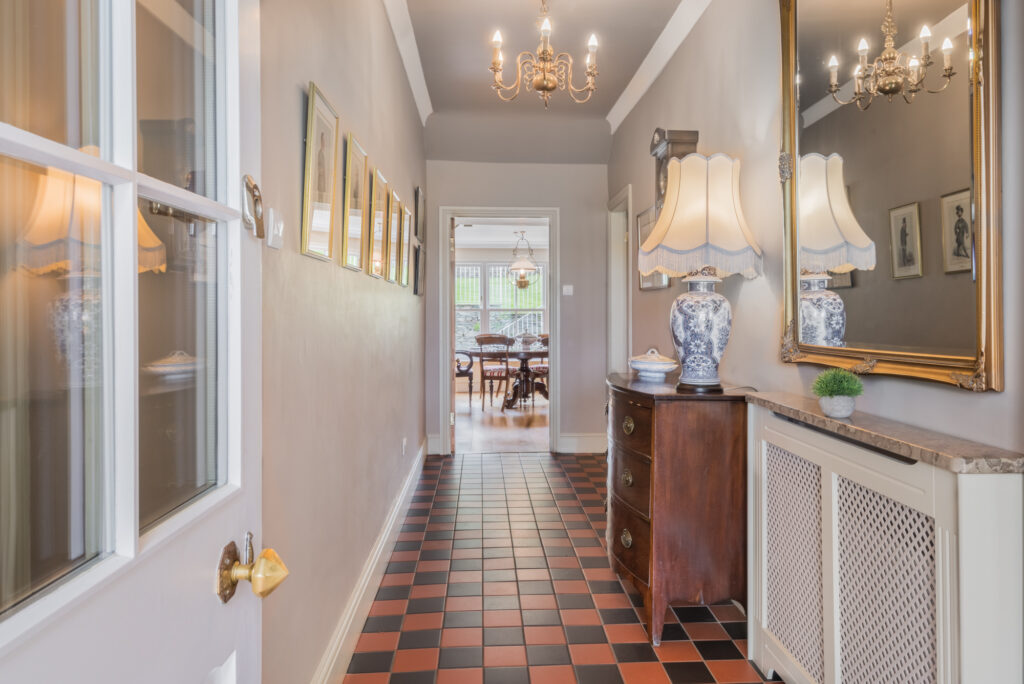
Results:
<point x="406" y="244"/>
<point x="644" y="226"/>
<point x="905" y="241"/>
<point x="394" y="237"/>
<point x="419" y="276"/>
<point x="379" y="218"/>
<point x="320" y="177"/>
<point x="421" y="214"/>
<point x="957" y="236"/>
<point x="357" y="198"/>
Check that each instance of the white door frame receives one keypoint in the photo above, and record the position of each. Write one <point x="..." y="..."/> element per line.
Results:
<point x="620" y="282"/>
<point x="445" y="305"/>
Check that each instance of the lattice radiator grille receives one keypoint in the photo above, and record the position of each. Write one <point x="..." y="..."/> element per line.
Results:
<point x="886" y="559"/>
<point x="793" y="556"/>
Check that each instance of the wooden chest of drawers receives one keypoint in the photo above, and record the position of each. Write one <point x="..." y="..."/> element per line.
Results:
<point x="676" y="494"/>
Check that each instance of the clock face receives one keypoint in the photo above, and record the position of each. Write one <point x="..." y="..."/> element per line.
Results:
<point x="662" y="179"/>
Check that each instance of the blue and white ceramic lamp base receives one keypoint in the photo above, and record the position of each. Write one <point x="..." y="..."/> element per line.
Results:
<point x="701" y="321"/>
<point x="822" y="313"/>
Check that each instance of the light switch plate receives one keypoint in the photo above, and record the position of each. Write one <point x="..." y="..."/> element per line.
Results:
<point x="275" y="229"/>
<point x="567" y="290"/>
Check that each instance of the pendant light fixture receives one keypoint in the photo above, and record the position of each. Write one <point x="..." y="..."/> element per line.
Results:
<point x="522" y="269"/>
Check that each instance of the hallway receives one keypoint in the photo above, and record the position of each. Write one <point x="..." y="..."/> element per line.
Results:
<point x="500" y="576"/>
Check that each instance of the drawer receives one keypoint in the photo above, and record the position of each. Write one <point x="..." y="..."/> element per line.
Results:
<point x="630" y="476"/>
<point x="629" y="537"/>
<point x="629" y="423"/>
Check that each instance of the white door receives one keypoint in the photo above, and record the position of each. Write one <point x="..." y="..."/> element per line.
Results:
<point x="129" y="339"/>
<point x="619" y="333"/>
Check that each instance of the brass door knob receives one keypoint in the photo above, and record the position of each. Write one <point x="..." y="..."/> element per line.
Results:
<point x="626" y="538"/>
<point x="264" y="573"/>
<point x="626" y="478"/>
<point x="628" y="425"/>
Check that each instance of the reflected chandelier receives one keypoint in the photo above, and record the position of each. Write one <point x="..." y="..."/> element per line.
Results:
<point x="544" y="71"/>
<point x="893" y="72"/>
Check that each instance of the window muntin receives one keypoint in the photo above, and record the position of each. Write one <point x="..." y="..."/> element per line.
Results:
<point x="495" y="305"/>
<point x="52" y="227"/>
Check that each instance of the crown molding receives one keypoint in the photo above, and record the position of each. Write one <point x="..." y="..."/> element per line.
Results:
<point x="675" y="32"/>
<point x="405" y="38"/>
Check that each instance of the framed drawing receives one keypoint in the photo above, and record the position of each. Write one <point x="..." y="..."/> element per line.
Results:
<point x="406" y="244"/>
<point x="905" y="241"/>
<point x="320" y="181"/>
<point x="421" y="214"/>
<point x="379" y="218"/>
<point x="394" y="237"/>
<point x="419" y="262"/>
<point x="644" y="226"/>
<point x="357" y="182"/>
<point x="957" y="238"/>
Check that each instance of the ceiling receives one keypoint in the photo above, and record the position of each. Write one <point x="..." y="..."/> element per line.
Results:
<point x="834" y="27"/>
<point x="454" y="40"/>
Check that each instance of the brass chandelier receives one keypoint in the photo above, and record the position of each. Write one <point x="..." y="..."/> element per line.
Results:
<point x="893" y="72"/>
<point x="544" y="71"/>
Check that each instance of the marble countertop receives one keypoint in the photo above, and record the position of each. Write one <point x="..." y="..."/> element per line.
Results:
<point x="902" y="440"/>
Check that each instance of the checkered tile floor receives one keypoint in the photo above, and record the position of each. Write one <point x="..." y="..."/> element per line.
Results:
<point x="500" y="576"/>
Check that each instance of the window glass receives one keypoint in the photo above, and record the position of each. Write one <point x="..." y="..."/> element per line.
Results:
<point x="176" y="82"/>
<point x="467" y="327"/>
<point x="502" y="293"/>
<point x="51" y="375"/>
<point x="179" y="278"/>
<point x="515" y="323"/>
<point x="49" y="74"/>
<point x="467" y="285"/>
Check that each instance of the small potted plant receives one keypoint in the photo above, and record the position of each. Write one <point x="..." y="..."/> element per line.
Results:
<point x="836" y="389"/>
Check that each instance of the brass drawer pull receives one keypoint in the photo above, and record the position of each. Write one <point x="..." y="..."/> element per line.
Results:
<point x="628" y="425"/>
<point x="626" y="538"/>
<point x="626" y="478"/>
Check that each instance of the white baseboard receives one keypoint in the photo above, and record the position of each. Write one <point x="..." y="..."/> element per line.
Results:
<point x="582" y="443"/>
<point x="346" y="633"/>
<point x="434" y="444"/>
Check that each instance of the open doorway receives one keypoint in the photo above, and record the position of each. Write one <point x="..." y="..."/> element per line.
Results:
<point x="501" y="298"/>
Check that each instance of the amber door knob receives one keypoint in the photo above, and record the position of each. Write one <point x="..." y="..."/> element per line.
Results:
<point x="265" y="573"/>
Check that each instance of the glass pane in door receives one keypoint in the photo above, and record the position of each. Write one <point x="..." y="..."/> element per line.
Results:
<point x="176" y="84"/>
<point x="49" y="69"/>
<point x="179" y="283"/>
<point x="51" y="375"/>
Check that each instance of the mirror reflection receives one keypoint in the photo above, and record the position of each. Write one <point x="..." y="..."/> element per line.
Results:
<point x="885" y="221"/>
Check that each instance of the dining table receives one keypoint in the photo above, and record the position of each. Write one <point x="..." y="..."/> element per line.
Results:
<point x="525" y="384"/>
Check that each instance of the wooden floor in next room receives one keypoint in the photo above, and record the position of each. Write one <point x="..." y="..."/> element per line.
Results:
<point x="501" y="576"/>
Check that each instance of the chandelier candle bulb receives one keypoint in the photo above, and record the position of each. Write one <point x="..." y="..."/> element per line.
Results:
<point x="947" y="54"/>
<point x="545" y="28"/>
<point x="925" y="38"/>
<point x="915" y="69"/>
<point x="862" y="50"/>
<point x="833" y="70"/>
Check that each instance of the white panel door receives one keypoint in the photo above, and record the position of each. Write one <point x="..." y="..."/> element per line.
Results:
<point x="157" y="441"/>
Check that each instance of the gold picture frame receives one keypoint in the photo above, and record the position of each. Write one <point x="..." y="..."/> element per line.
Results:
<point x="354" y="215"/>
<point x="379" y="220"/>
<point x="957" y="235"/>
<point x="905" y="241"/>
<point x="407" y="229"/>
<point x="320" y="177"/>
<point x="394" y="239"/>
<point x="984" y="369"/>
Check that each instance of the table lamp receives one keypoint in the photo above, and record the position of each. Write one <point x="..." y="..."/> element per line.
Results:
<point x="831" y="239"/>
<point x="701" y="236"/>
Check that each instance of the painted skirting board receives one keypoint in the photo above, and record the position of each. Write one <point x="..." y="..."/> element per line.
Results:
<point x="582" y="443"/>
<point x="350" y="624"/>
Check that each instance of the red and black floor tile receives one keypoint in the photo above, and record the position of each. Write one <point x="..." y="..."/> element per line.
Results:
<point x="500" y="576"/>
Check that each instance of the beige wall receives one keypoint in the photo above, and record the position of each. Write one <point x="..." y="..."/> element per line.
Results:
<point x="892" y="156"/>
<point x="724" y="82"/>
<point x="579" y="192"/>
<point x="343" y="352"/>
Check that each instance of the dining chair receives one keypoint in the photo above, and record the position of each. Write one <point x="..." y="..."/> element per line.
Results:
<point x="494" y="365"/>
<point x="539" y="370"/>
<point x="464" y="369"/>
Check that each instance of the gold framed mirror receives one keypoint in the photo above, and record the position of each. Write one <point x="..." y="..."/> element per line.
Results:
<point x="891" y="137"/>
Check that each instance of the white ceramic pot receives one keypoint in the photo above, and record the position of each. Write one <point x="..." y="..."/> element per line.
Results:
<point x="837" y="407"/>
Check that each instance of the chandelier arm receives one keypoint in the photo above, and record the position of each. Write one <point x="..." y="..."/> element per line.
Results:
<point x="948" y="77"/>
<point x="563" y="65"/>
<point x="507" y="92"/>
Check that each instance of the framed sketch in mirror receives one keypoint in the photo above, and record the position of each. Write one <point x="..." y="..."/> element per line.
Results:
<point x="873" y="140"/>
<point x="957" y="237"/>
<point x="644" y="226"/>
